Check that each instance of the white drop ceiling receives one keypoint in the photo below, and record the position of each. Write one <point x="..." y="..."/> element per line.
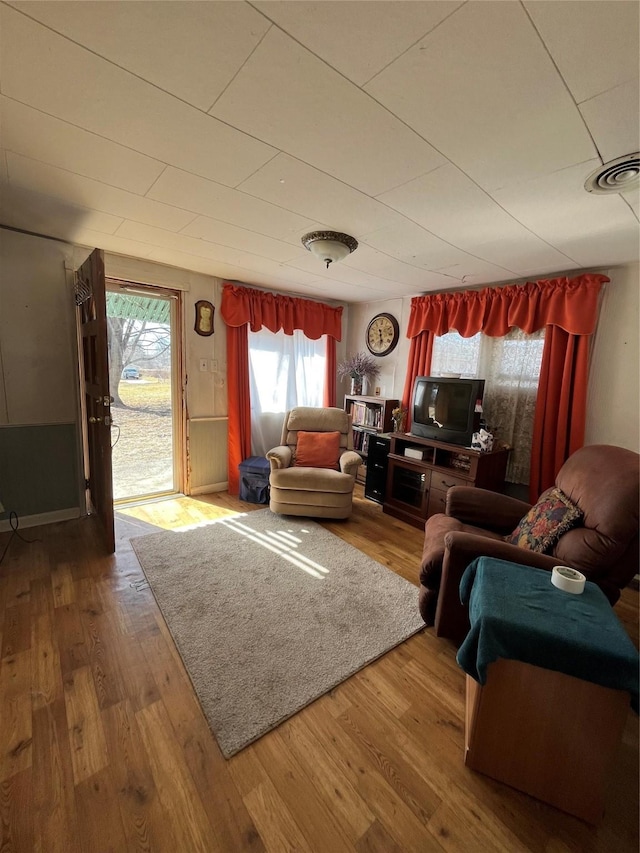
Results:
<point x="451" y="139"/>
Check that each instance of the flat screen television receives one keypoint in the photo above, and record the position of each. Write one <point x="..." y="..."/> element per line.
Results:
<point x="446" y="409"/>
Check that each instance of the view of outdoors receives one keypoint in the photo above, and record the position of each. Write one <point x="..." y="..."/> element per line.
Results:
<point x="139" y="329"/>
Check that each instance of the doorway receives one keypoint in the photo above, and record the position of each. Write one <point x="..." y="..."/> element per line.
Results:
<point x="144" y="380"/>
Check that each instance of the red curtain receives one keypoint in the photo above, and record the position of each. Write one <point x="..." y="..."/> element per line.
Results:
<point x="571" y="303"/>
<point x="567" y="308"/>
<point x="243" y="308"/>
<point x="561" y="405"/>
<point x="239" y="430"/>
<point x="329" y="396"/>
<point x="258" y="308"/>
<point x="420" y="352"/>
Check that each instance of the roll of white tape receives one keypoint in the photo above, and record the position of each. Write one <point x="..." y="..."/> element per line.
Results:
<point x="568" y="579"/>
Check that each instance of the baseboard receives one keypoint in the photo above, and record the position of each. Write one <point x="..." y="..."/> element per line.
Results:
<point x="212" y="487"/>
<point x="42" y="518"/>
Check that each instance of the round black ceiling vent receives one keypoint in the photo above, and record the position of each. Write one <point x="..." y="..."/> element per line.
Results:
<point x="617" y="176"/>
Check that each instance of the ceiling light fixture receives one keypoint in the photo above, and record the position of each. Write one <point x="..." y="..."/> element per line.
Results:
<point x="616" y="176"/>
<point x="329" y="246"/>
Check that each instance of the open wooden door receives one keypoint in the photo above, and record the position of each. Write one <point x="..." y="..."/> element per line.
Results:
<point x="91" y="301"/>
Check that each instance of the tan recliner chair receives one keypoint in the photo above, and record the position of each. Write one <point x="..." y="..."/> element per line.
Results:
<point x="314" y="492"/>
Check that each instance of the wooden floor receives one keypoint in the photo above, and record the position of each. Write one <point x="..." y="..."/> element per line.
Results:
<point x="103" y="745"/>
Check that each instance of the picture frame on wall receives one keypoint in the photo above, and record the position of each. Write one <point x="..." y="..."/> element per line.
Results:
<point x="204" y="317"/>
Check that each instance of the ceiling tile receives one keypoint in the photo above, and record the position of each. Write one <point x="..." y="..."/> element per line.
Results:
<point x="495" y="104"/>
<point x="85" y="192"/>
<point x="368" y="260"/>
<point x="439" y="264"/>
<point x="357" y="39"/>
<point x="42" y="137"/>
<point x="191" y="50"/>
<point x="294" y="101"/>
<point x="229" y="205"/>
<point x="239" y="238"/>
<point x="594" y="44"/>
<point x="111" y="243"/>
<point x="633" y="200"/>
<point x="620" y="247"/>
<point x="341" y="292"/>
<point x="207" y="266"/>
<point x="52" y="74"/>
<point x="613" y="120"/>
<point x="413" y="244"/>
<point x="42" y="214"/>
<point x="205" y="249"/>
<point x="324" y="200"/>
<point x="348" y="273"/>
<point x="586" y="227"/>
<point x="452" y="207"/>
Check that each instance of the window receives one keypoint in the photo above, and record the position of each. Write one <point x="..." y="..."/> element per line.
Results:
<point x="510" y="367"/>
<point x="284" y="371"/>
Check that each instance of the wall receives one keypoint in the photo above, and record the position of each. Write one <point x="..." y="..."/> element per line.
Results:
<point x="393" y="367"/>
<point x="40" y="457"/>
<point x="613" y="407"/>
<point x="39" y="439"/>
<point x="613" y="401"/>
<point x="206" y="390"/>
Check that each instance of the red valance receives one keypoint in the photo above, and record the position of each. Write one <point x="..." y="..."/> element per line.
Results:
<point x="258" y="308"/>
<point x="570" y="303"/>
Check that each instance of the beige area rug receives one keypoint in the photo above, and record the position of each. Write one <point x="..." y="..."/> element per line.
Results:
<point x="270" y="612"/>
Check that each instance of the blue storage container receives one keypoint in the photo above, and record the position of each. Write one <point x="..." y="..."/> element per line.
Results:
<point x="254" y="480"/>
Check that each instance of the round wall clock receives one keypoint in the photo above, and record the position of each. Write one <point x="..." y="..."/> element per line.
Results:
<point x="382" y="334"/>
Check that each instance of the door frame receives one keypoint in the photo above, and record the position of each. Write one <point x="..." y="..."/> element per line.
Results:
<point x="178" y="377"/>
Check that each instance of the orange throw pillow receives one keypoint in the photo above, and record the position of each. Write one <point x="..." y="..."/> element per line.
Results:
<point x="318" y="450"/>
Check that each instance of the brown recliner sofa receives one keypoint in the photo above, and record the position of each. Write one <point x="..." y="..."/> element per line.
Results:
<point x="314" y="492"/>
<point x="602" y="480"/>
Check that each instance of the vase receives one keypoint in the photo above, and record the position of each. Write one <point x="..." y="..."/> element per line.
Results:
<point x="356" y="384"/>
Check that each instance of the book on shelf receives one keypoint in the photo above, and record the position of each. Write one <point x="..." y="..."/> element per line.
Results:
<point x="364" y="415"/>
<point x="361" y="437"/>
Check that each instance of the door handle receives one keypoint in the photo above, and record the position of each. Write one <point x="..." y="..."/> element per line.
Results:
<point x="93" y="420"/>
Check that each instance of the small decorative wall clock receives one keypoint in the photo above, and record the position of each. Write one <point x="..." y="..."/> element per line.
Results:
<point x="382" y="335"/>
<point x="204" y="317"/>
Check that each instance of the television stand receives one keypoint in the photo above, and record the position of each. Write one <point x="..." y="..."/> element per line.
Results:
<point x="422" y="470"/>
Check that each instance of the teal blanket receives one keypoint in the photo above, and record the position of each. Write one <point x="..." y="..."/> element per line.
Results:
<point x="517" y="613"/>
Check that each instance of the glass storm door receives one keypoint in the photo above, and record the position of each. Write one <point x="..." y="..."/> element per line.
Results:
<point x="143" y="372"/>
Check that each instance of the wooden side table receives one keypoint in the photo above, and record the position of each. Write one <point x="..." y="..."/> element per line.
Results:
<point x="550" y="735"/>
<point x="542" y="730"/>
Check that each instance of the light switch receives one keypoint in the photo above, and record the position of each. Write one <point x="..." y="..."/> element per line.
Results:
<point x="214" y="365"/>
<point x="204" y="365"/>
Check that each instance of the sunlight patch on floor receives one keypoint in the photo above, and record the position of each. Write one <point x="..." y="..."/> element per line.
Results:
<point x="181" y="513"/>
<point x="280" y="542"/>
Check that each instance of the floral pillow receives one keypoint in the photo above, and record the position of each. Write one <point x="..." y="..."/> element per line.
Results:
<point x="546" y="522"/>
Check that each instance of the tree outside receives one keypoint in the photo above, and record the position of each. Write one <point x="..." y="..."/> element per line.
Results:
<point x="139" y="334"/>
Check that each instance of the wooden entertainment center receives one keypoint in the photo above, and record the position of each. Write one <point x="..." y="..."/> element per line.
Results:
<point x="420" y="472"/>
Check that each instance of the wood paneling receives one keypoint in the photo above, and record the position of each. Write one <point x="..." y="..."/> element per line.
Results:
<point x="103" y="745"/>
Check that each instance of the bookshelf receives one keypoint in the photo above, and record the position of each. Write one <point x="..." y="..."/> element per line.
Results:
<point x="370" y="416"/>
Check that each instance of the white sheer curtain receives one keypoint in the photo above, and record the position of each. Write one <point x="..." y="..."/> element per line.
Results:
<point x="510" y="367"/>
<point x="284" y="371"/>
